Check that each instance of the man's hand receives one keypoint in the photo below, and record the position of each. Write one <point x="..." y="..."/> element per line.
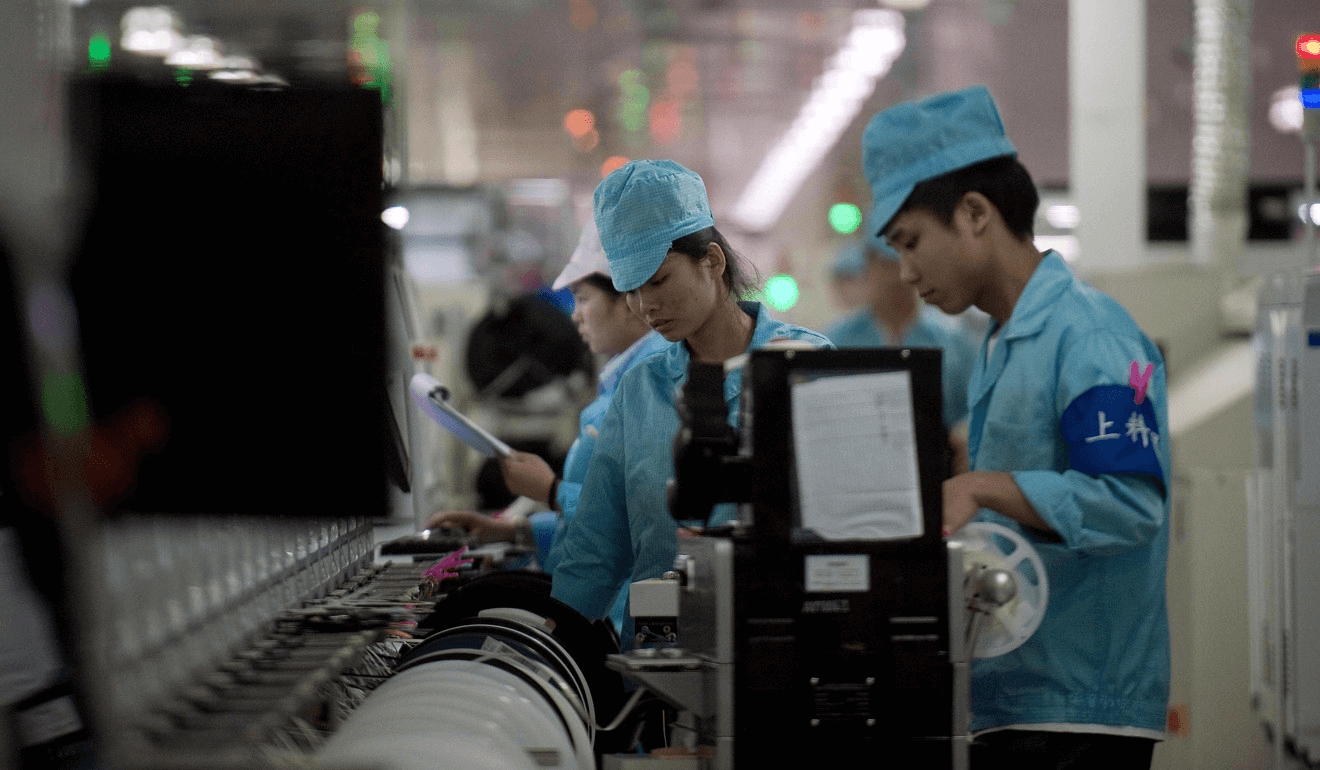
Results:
<point x="484" y="528"/>
<point x="967" y="493"/>
<point x="960" y="504"/>
<point x="528" y="475"/>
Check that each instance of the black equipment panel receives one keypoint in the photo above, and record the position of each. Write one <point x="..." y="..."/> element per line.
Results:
<point x="231" y="272"/>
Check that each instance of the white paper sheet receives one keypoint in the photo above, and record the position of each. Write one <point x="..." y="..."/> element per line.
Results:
<point x="856" y="453"/>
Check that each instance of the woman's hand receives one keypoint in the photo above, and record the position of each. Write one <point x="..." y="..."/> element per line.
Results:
<point x="528" y="475"/>
<point x="484" y="528"/>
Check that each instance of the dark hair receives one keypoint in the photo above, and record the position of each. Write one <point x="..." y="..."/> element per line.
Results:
<point x="741" y="277"/>
<point x="602" y="282"/>
<point x="1004" y="181"/>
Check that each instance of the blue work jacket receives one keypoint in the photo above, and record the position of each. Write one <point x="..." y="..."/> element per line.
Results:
<point x="932" y="329"/>
<point x="623" y="530"/>
<point x="1052" y="405"/>
<point x="547" y="526"/>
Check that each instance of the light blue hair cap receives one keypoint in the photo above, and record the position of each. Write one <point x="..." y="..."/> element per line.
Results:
<point x="915" y="141"/>
<point x="850" y="261"/>
<point x="641" y="208"/>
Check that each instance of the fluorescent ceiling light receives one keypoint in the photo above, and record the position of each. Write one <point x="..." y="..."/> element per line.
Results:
<point x="150" y="30"/>
<point x="905" y="5"/>
<point x="874" y="43"/>
<point x="1286" y="110"/>
<point x="395" y="216"/>
<point x="196" y="52"/>
<point x="1063" y="216"/>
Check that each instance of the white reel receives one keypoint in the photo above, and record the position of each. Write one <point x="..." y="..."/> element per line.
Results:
<point x="988" y="546"/>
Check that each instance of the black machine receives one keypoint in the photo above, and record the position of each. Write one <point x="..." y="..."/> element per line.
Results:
<point x="230" y="273"/>
<point x="822" y="624"/>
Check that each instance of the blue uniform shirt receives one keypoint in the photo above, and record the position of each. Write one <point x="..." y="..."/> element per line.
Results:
<point x="623" y="530"/>
<point x="932" y="329"/>
<point x="1052" y="405"/>
<point x="548" y="527"/>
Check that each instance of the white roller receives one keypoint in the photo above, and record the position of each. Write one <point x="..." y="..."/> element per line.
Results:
<point x="992" y="546"/>
<point x="460" y="714"/>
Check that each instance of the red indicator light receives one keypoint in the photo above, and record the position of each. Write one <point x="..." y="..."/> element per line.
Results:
<point x="1308" y="47"/>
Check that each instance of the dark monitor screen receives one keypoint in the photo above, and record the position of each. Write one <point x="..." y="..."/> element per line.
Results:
<point x="230" y="272"/>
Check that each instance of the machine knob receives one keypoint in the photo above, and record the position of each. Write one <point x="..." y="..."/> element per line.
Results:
<point x="996" y="587"/>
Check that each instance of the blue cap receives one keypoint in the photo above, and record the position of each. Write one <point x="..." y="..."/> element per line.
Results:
<point x="915" y="141"/>
<point x="850" y="261"/>
<point x="641" y="208"/>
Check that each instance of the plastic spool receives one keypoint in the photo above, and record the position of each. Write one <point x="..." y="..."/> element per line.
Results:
<point x="486" y="713"/>
<point x="493" y="689"/>
<point x="993" y="546"/>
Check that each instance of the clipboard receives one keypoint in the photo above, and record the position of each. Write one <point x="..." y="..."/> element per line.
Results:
<point x="433" y="398"/>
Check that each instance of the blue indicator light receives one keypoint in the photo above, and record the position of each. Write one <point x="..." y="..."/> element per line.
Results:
<point x="1311" y="98"/>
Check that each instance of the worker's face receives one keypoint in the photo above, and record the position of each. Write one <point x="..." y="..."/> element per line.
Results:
<point x="682" y="294"/>
<point x="603" y="319"/>
<point x="936" y="259"/>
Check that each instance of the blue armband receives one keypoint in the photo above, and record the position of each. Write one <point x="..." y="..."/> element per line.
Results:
<point x="1107" y="432"/>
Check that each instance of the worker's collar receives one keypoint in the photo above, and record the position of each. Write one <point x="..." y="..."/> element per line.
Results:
<point x="616" y="366"/>
<point x="679" y="356"/>
<point x="1036" y="303"/>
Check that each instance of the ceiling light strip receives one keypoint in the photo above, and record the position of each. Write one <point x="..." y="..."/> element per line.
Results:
<point x="874" y="43"/>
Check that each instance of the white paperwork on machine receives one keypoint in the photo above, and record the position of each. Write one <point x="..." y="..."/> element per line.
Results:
<point x="856" y="454"/>
<point x="433" y="398"/>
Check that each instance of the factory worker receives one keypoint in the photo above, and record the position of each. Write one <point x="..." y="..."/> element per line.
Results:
<point x="894" y="316"/>
<point x="610" y="328"/>
<point x="848" y="276"/>
<point x="1063" y="448"/>
<point x="683" y="279"/>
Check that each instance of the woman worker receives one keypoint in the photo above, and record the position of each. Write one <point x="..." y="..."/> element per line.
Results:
<point x="681" y="277"/>
<point x="609" y="328"/>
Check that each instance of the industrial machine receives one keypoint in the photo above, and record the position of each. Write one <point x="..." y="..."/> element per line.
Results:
<point x="832" y="619"/>
<point x="1283" y="514"/>
<point x="1283" y="493"/>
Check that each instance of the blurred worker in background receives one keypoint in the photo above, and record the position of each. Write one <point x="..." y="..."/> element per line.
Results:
<point x="848" y="276"/>
<point x="893" y="315"/>
<point x="1063" y="449"/>
<point x="609" y="328"/>
<point x="682" y="277"/>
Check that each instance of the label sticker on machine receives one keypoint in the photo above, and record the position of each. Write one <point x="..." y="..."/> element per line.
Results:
<point x="830" y="573"/>
<point x="1313" y="339"/>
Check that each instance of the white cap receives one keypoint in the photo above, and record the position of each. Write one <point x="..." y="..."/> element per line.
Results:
<point x="588" y="257"/>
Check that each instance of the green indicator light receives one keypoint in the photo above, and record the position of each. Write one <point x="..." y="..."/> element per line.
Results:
<point x="365" y="23"/>
<point x="98" y="50"/>
<point x="781" y="291"/>
<point x="183" y="76"/>
<point x="845" y="218"/>
<point x="64" y="402"/>
<point x="633" y="100"/>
